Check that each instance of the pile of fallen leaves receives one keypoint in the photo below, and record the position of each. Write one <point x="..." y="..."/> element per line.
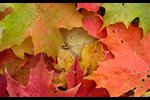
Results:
<point x="74" y="50"/>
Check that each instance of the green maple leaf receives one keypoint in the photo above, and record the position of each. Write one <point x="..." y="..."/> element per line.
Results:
<point x="126" y="12"/>
<point x="41" y="22"/>
<point x="15" y="24"/>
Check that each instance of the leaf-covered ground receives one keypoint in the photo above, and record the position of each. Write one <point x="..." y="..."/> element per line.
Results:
<point x="74" y="50"/>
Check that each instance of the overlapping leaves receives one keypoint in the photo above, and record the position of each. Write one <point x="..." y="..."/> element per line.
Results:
<point x="53" y="49"/>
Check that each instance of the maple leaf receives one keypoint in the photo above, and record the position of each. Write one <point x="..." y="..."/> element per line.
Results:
<point x="38" y="83"/>
<point x="49" y="61"/>
<point x="51" y="18"/>
<point x="29" y="17"/>
<point x="75" y="75"/>
<point x="129" y="69"/>
<point x="31" y="62"/>
<point x="20" y="18"/>
<point x="15" y="70"/>
<point x="102" y="34"/>
<point x="89" y="6"/>
<point x="59" y="82"/>
<point x="13" y="65"/>
<point x="3" y="85"/>
<point x="25" y="47"/>
<point x="75" y="39"/>
<point x="126" y="13"/>
<point x="73" y="78"/>
<point x="87" y="88"/>
<point x="92" y="23"/>
<point x="92" y="54"/>
<point x="60" y="17"/>
<point x="65" y="60"/>
<point x="6" y="56"/>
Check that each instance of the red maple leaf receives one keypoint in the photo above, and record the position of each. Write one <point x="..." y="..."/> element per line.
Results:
<point x="88" y="88"/>
<point x="92" y="22"/>
<point x="38" y="84"/>
<point x="6" y="56"/>
<point x="129" y="69"/>
<point x="75" y="75"/>
<point x="3" y="85"/>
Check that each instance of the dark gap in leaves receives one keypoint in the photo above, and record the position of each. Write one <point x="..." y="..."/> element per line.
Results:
<point x="122" y="41"/>
<point x="79" y="58"/>
<point x="99" y="43"/>
<point x="80" y="10"/>
<point x="135" y="88"/>
<point x="61" y="88"/>
<point x="54" y="91"/>
<point x="7" y="94"/>
<point x="88" y="70"/>
<point x="76" y="5"/>
<point x="63" y="70"/>
<point x="15" y="71"/>
<point x="127" y="94"/>
<point x="17" y="94"/>
<point x="49" y="61"/>
<point x="148" y="90"/>
<point x="31" y="62"/>
<point x="102" y="11"/>
<point x="148" y="76"/>
<point x="130" y="92"/>
<point x="56" y="60"/>
<point x="113" y="31"/>
<point x="123" y="4"/>
<point x="53" y="81"/>
<point x="135" y="22"/>
<point x="143" y="80"/>
<point x="141" y="86"/>
<point x="65" y="47"/>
